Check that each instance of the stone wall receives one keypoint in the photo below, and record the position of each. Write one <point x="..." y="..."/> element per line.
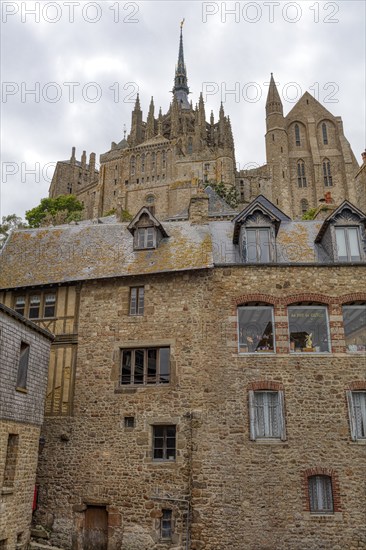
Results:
<point x="242" y="494"/>
<point x="21" y="415"/>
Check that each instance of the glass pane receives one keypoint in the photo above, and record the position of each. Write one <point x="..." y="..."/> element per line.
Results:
<point x="359" y="403"/>
<point x="34" y="307"/>
<point x="20" y="304"/>
<point x="151" y="366"/>
<point x="150" y="237"/>
<point x="139" y="366"/>
<point x="263" y="244"/>
<point x="255" y="329"/>
<point x="354" y="248"/>
<point x="126" y="367"/>
<point x="354" y="320"/>
<point x="341" y="244"/>
<point x="251" y="245"/>
<point x="133" y="301"/>
<point x="164" y="354"/>
<point x="141" y="301"/>
<point x="308" y="327"/>
<point x="320" y="492"/>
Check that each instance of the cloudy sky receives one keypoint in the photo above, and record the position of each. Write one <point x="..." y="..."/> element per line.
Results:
<point x="71" y="70"/>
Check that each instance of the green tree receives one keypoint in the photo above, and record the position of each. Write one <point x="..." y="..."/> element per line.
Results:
<point x="228" y="194"/>
<point x="56" y="211"/>
<point x="310" y="214"/>
<point x="12" y="221"/>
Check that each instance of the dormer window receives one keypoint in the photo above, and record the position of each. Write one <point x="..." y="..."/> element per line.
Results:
<point x="145" y="237"/>
<point x="146" y="229"/>
<point x="348" y="247"/>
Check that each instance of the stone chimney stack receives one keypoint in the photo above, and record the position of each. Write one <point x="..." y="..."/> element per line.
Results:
<point x="72" y="159"/>
<point x="198" y="209"/>
<point x="92" y="167"/>
<point x="83" y="160"/>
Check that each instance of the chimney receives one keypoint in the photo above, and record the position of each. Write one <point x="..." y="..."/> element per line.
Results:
<point x="92" y="167"/>
<point x="363" y="155"/>
<point x="83" y="160"/>
<point x="72" y="159"/>
<point x="328" y="197"/>
<point x="198" y="209"/>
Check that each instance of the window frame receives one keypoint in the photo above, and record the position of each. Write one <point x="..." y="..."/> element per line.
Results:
<point x="241" y="344"/>
<point x="138" y="309"/>
<point x="301" y="175"/>
<point x="258" y="244"/>
<point x="297" y="136"/>
<point x="353" y="306"/>
<point x="165" y="447"/>
<point x="171" y="524"/>
<point x="41" y="306"/>
<point x="149" y="238"/>
<point x="313" y="306"/>
<point x="253" y="415"/>
<point x="160" y="379"/>
<point x="23" y="365"/>
<point x="314" y="502"/>
<point x="354" y="424"/>
<point x="345" y="228"/>
<point x="325" y="133"/>
<point x="327" y="173"/>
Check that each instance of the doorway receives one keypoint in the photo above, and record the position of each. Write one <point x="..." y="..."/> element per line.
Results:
<point x="96" y="528"/>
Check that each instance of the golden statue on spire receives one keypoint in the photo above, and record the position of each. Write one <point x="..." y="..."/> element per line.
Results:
<point x="182" y="22"/>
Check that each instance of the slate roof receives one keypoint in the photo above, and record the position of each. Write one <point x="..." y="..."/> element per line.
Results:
<point x="81" y="252"/>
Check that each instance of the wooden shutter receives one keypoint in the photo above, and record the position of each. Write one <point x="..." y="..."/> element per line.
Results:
<point x="281" y="410"/>
<point x="252" y="415"/>
<point x="352" y="417"/>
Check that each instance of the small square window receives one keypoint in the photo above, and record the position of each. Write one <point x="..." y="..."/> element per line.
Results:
<point x="309" y="329"/>
<point x="145" y="237"/>
<point x="348" y="247"/>
<point x="20" y="304"/>
<point x="258" y="245"/>
<point x="164" y="443"/>
<point x="145" y="366"/>
<point x="137" y="298"/>
<point x="320" y="494"/>
<point x="166" y="524"/>
<point x="129" y="421"/>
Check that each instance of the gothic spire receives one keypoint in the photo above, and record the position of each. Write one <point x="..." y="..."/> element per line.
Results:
<point x="180" y="89"/>
<point x="274" y="103"/>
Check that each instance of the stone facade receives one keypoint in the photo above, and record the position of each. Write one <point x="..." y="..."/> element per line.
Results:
<point x="21" y="416"/>
<point x="220" y="487"/>
<point x="165" y="158"/>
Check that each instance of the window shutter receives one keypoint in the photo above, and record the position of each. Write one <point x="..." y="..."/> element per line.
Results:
<point x="281" y="407"/>
<point x="23" y="366"/>
<point x="352" y="417"/>
<point x="252" y="415"/>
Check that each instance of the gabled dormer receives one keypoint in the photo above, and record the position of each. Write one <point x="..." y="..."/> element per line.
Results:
<point x="342" y="237"/>
<point x="255" y="231"/>
<point x="147" y="230"/>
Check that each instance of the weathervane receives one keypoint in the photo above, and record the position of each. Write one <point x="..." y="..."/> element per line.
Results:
<point x="124" y="131"/>
<point x="182" y="23"/>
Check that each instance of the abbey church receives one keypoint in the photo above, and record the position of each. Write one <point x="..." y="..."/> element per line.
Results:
<point x="166" y="159"/>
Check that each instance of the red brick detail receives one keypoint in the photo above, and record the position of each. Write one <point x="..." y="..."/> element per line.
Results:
<point x="320" y="471"/>
<point x="347" y="298"/>
<point x="265" y="385"/>
<point x="357" y="385"/>
<point x="265" y="298"/>
<point x="307" y="297"/>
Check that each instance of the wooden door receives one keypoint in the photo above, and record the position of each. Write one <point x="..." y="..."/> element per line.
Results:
<point x="96" y="528"/>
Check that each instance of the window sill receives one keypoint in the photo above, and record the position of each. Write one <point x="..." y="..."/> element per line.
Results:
<point x="7" y="490"/>
<point x="268" y="441"/>
<point x="134" y="388"/>
<point x="241" y="353"/>
<point x="358" y="442"/>
<point x="21" y="390"/>
<point x="313" y="516"/>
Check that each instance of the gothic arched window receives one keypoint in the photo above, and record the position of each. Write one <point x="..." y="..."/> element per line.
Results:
<point x="143" y="162"/>
<point x="133" y="165"/>
<point x="153" y="161"/>
<point x="163" y="159"/>
<point x="297" y="135"/>
<point x="301" y="177"/>
<point x="327" y="174"/>
<point x="325" y="134"/>
<point x="304" y="206"/>
<point x="190" y="146"/>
